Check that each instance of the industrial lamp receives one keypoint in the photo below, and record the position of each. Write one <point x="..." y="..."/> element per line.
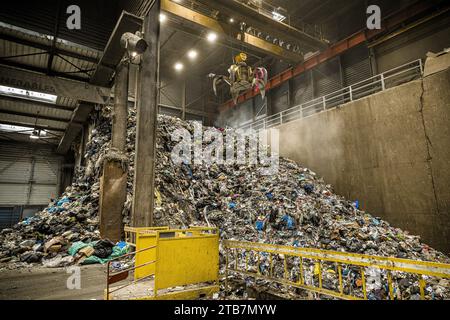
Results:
<point x="35" y="135"/>
<point x="134" y="43"/>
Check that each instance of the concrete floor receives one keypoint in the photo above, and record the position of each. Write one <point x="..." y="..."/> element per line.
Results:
<point x="50" y="284"/>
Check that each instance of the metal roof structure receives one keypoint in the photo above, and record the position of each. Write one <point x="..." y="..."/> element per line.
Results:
<point x="28" y="50"/>
<point x="35" y="39"/>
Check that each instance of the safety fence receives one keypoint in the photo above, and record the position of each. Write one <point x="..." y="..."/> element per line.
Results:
<point x="394" y="77"/>
<point x="165" y="260"/>
<point x="341" y="275"/>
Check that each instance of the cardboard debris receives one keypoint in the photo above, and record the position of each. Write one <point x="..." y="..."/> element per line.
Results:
<point x="87" y="251"/>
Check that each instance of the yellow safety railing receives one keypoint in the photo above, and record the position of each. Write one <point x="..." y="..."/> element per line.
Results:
<point x="170" y="258"/>
<point x="132" y="232"/>
<point x="250" y="259"/>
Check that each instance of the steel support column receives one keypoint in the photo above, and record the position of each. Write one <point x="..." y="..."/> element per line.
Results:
<point x="113" y="183"/>
<point x="147" y="108"/>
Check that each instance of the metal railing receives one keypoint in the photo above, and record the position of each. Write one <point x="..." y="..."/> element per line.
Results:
<point x="122" y="274"/>
<point x="155" y="273"/>
<point x="331" y="273"/>
<point x="394" y="77"/>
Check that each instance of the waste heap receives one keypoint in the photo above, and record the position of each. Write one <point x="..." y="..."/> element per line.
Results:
<point x="293" y="207"/>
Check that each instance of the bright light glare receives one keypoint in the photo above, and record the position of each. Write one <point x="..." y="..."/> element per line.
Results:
<point x="27" y="94"/>
<point x="162" y="17"/>
<point x="212" y="36"/>
<point x="178" y="66"/>
<point x="192" y="54"/>
<point x="11" y="128"/>
<point x="277" y="16"/>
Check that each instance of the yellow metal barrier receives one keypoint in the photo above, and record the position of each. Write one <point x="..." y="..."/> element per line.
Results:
<point x="131" y="233"/>
<point x="322" y="262"/>
<point x="168" y="258"/>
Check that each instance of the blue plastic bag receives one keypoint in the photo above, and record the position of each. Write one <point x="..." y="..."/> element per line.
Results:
<point x="62" y="201"/>
<point x="289" y="222"/>
<point x="259" y="225"/>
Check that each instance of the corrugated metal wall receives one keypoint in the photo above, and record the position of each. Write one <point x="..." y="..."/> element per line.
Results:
<point x="327" y="78"/>
<point x="29" y="174"/>
<point x="9" y="216"/>
<point x="279" y="98"/>
<point x="303" y="88"/>
<point x="356" y="65"/>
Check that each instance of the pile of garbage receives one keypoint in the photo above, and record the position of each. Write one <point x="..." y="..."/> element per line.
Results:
<point x="293" y="207"/>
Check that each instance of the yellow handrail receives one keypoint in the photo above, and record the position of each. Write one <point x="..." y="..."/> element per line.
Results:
<point x="359" y="261"/>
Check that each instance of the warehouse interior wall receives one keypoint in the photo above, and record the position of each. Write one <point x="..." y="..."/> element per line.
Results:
<point x="390" y="151"/>
<point x="31" y="174"/>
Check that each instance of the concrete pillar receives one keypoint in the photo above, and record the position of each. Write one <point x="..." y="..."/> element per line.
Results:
<point x="147" y="108"/>
<point x="120" y="115"/>
<point x="113" y="183"/>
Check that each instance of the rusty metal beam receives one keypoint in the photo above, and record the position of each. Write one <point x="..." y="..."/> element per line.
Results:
<point x="227" y="31"/>
<point x="337" y="49"/>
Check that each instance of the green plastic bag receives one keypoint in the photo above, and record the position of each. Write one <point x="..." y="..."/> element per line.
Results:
<point x="116" y="252"/>
<point x="76" y="246"/>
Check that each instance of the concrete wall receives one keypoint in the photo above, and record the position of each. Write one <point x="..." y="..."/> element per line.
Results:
<point x="391" y="151"/>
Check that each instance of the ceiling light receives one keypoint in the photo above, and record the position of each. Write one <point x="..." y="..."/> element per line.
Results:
<point x="192" y="54"/>
<point x="278" y="16"/>
<point x="162" y="17"/>
<point x="178" y="66"/>
<point x="12" y="128"/>
<point x="27" y="94"/>
<point x="212" y="36"/>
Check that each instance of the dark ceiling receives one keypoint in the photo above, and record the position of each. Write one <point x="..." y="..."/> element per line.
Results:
<point x="337" y="19"/>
